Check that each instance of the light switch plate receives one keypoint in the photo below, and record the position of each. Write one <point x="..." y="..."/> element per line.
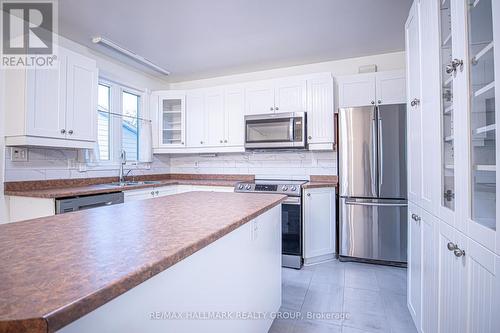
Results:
<point x="19" y="154"/>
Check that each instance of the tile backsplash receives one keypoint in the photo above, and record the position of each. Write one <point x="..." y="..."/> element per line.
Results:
<point x="286" y="165"/>
<point x="45" y="164"/>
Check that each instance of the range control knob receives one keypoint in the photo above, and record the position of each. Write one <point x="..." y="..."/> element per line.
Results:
<point x="285" y="188"/>
<point x="294" y="188"/>
<point x="248" y="187"/>
<point x="240" y="187"/>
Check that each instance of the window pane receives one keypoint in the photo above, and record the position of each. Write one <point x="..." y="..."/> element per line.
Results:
<point x="103" y="122"/>
<point x="130" y="130"/>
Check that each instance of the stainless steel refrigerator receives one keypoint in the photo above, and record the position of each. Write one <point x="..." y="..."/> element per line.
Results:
<point x="373" y="192"/>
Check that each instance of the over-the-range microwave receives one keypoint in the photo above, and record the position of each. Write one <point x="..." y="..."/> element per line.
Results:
<point x="276" y="130"/>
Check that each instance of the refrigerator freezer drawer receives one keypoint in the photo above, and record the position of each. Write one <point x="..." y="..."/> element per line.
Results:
<point x="373" y="229"/>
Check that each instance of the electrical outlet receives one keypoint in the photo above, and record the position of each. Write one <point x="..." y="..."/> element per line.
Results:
<point x="19" y="154"/>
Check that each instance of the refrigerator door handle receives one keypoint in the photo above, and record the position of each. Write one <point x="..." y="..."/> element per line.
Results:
<point x="360" y="203"/>
<point x="380" y="153"/>
<point x="374" y="157"/>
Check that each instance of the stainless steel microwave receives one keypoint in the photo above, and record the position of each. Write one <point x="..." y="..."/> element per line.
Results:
<point x="276" y="130"/>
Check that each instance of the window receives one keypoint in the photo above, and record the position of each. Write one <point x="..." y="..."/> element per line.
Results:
<point x="115" y="132"/>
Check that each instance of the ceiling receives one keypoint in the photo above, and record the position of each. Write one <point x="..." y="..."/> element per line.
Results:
<point x="196" y="39"/>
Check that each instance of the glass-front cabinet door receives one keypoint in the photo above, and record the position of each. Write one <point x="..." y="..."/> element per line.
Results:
<point x="447" y="108"/>
<point x="171" y="119"/>
<point x="482" y="34"/>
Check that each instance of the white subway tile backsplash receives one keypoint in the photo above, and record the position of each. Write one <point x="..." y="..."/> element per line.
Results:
<point x="61" y="163"/>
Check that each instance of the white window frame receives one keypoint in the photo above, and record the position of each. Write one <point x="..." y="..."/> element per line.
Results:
<point x="115" y="136"/>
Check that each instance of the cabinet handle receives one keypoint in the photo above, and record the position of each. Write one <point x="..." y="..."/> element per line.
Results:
<point x="182" y="142"/>
<point x="415" y="102"/>
<point x="201" y="142"/>
<point x="70" y="132"/>
<point x="63" y="131"/>
<point x="152" y="192"/>
<point x="271" y="108"/>
<point x="373" y="102"/>
<point x="276" y="108"/>
<point x="379" y="101"/>
<point x="308" y="194"/>
<point x="452" y="246"/>
<point x="225" y="141"/>
<point x="459" y="252"/>
<point x="157" y="192"/>
<point x="309" y="137"/>
<point x="221" y="141"/>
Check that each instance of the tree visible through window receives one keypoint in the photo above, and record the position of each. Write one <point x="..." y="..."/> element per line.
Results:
<point x="113" y="101"/>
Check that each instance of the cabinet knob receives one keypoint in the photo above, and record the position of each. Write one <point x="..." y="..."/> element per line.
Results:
<point x="221" y="141"/>
<point x="271" y="108"/>
<point x="452" y="246"/>
<point x="379" y="101"/>
<point x="70" y="132"/>
<point x="63" y="131"/>
<point x="152" y="192"/>
<point x="373" y="102"/>
<point x="201" y="142"/>
<point x="308" y="194"/>
<point x="182" y="142"/>
<point x="276" y="108"/>
<point x="459" y="252"/>
<point x="157" y="192"/>
<point x="225" y="141"/>
<point x="415" y="102"/>
<point x="309" y="137"/>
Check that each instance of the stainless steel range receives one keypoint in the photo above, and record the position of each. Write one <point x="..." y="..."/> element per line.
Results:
<point x="291" y="215"/>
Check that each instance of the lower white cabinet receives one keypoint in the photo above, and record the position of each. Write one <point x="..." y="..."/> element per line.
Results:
<point x="453" y="281"/>
<point x="319" y="215"/>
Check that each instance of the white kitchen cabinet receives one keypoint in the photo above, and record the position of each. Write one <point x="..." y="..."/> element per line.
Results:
<point x="320" y="112"/>
<point x="414" y="263"/>
<point x="196" y="119"/>
<point x="414" y="117"/>
<point x="319" y="214"/>
<point x="81" y="97"/>
<point x="455" y="161"/>
<point x="53" y="107"/>
<point x="215" y="118"/>
<point x="234" y="107"/>
<point x="377" y="88"/>
<point x="259" y="98"/>
<point x="356" y="90"/>
<point x="169" y="113"/>
<point x="273" y="96"/>
<point x="148" y="193"/>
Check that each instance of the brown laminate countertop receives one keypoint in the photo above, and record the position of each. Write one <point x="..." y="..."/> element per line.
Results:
<point x="321" y="181"/>
<point x="56" y="269"/>
<point x="71" y="191"/>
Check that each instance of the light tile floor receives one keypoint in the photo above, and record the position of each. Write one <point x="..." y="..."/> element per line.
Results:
<point x="372" y="297"/>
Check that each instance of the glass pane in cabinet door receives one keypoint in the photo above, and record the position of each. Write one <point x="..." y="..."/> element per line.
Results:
<point x="482" y="113"/>
<point x="447" y="133"/>
<point x="171" y="121"/>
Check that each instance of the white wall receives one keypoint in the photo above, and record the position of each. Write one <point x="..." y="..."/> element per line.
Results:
<point x="384" y="62"/>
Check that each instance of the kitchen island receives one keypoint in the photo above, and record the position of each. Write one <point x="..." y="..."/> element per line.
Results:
<point x="191" y="262"/>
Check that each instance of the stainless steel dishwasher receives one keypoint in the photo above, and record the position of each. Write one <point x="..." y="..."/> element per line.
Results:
<point x="87" y="202"/>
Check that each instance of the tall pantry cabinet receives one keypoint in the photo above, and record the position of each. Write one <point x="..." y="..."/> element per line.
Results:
<point x="453" y="77"/>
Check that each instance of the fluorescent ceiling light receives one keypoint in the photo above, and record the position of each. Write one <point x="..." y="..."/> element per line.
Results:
<point x="128" y="53"/>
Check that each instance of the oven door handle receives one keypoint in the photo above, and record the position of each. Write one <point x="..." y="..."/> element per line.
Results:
<point x="292" y="201"/>
<point x="290" y="129"/>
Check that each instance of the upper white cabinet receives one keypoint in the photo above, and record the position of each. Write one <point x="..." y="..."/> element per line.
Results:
<point x="272" y="96"/>
<point x="320" y="112"/>
<point x="53" y="107"/>
<point x="169" y="112"/>
<point x="319" y="224"/>
<point x="372" y="88"/>
<point x="214" y="117"/>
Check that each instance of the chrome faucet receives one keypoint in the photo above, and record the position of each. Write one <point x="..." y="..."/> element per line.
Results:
<point x="123" y="161"/>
